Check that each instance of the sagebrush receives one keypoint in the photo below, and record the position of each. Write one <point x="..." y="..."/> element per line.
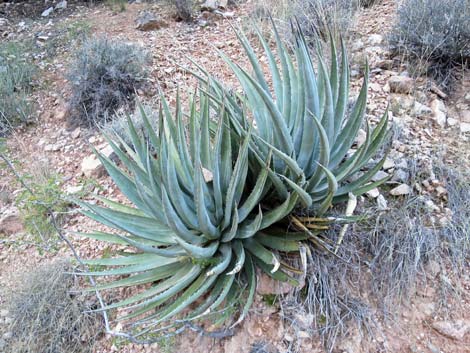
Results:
<point x="16" y="75"/>
<point x="48" y="317"/>
<point x="104" y="78"/>
<point x="437" y="33"/>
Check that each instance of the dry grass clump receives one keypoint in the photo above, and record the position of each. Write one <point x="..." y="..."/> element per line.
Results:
<point x="315" y="17"/>
<point x="47" y="317"/>
<point x="105" y="76"/>
<point x="435" y="34"/>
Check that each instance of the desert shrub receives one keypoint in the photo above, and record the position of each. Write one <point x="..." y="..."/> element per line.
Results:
<point x="216" y="200"/>
<point x="434" y="32"/>
<point x="48" y="317"/>
<point x="314" y="16"/>
<point x="117" y="5"/>
<point x="368" y="3"/>
<point x="104" y="78"/>
<point x="16" y="75"/>
<point x="36" y="208"/>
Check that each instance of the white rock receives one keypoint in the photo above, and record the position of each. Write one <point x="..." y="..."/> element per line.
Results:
<point x="375" y="39"/>
<point x="379" y="175"/>
<point x="382" y="203"/>
<point x="465" y="127"/>
<point x="374" y="193"/>
<point x="403" y="189"/>
<point x="465" y="116"/>
<point x="73" y="189"/>
<point x="439" y="111"/>
<point x="61" y="5"/>
<point x="10" y="221"/>
<point x="361" y="137"/>
<point x="388" y="164"/>
<point x="456" y="329"/>
<point x="421" y="109"/>
<point x="47" y="12"/>
<point x="401" y="84"/>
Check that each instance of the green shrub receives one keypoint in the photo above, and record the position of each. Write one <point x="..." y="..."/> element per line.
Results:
<point x="207" y="214"/>
<point x="35" y="209"/>
<point x="104" y="78"/>
<point x="434" y="32"/>
<point x="16" y="75"/>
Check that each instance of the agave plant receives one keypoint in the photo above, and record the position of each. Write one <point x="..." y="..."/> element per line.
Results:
<point x="303" y="120"/>
<point x="196" y="224"/>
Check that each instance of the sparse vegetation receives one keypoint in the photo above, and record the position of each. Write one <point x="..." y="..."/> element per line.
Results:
<point x="35" y="209"/>
<point x="315" y="17"/>
<point x="104" y="77"/>
<point x="16" y="76"/>
<point x="435" y="34"/>
<point x="48" y="317"/>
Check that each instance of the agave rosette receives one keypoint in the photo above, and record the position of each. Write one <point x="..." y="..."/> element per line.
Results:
<point x="304" y="120"/>
<point x="196" y="224"/>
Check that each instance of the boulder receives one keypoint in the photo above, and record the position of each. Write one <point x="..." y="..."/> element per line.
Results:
<point x="47" y="12"/>
<point x="401" y="84"/>
<point x="455" y="329"/>
<point x="10" y="221"/>
<point x="91" y="166"/>
<point x="401" y="190"/>
<point x="439" y="111"/>
<point x="212" y="5"/>
<point x="148" y="21"/>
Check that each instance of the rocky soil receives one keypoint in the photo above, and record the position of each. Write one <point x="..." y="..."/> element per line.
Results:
<point x="430" y="125"/>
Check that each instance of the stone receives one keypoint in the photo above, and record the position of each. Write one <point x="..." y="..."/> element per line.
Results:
<point x="379" y="175"/>
<point x="401" y="84"/>
<point x="421" y="109"/>
<point x="148" y="21"/>
<point x="267" y="285"/>
<point x="73" y="189"/>
<point x="465" y="127"/>
<point x="91" y="166"/>
<point x="439" y="111"/>
<point x="388" y="164"/>
<point x="375" y="39"/>
<point x="47" y="12"/>
<point x="374" y="193"/>
<point x="61" y="5"/>
<point x="382" y="203"/>
<point x="10" y="221"/>
<point x="465" y="116"/>
<point x="212" y="5"/>
<point x="400" y="190"/>
<point x="361" y="137"/>
<point x="76" y="133"/>
<point x="456" y="329"/>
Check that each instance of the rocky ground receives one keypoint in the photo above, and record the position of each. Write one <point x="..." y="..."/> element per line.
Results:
<point x="431" y="125"/>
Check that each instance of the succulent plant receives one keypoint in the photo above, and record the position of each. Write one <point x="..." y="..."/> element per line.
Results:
<point x="210" y="198"/>
<point x="303" y="120"/>
<point x="197" y="224"/>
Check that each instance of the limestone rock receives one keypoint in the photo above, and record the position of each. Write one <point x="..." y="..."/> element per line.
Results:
<point x="91" y="166"/>
<point x="148" y="21"/>
<point x="453" y="329"/>
<point x="47" y="12"/>
<point x="400" y="190"/>
<point x="10" y="221"/>
<point x="267" y="285"/>
<point x="439" y="111"/>
<point x="401" y="84"/>
<point x="212" y="5"/>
